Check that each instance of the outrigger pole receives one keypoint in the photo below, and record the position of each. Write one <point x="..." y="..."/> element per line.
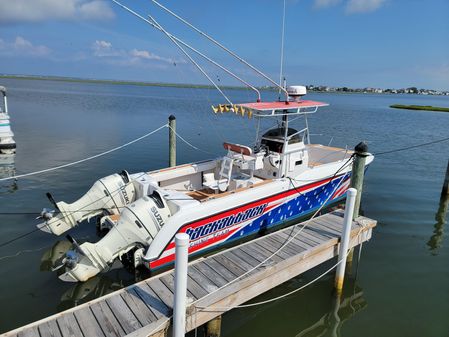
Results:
<point x="222" y="47"/>
<point x="153" y="24"/>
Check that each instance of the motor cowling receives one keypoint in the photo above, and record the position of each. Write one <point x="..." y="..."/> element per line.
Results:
<point x="138" y="225"/>
<point x="108" y="195"/>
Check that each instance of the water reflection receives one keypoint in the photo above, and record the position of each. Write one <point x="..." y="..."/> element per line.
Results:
<point x="7" y="169"/>
<point x="342" y="309"/>
<point x="436" y="239"/>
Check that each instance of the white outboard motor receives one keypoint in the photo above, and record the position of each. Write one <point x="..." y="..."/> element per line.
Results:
<point x="107" y="196"/>
<point x="138" y="225"/>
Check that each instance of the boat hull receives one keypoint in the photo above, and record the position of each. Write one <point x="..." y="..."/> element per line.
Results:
<point x="255" y="218"/>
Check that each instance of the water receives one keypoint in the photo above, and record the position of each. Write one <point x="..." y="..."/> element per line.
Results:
<point x="402" y="286"/>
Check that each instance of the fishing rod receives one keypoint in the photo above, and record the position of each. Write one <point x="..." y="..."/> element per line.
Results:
<point x="222" y="47"/>
<point x="154" y="25"/>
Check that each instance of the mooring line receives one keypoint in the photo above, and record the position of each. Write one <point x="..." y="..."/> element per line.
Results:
<point x="85" y="159"/>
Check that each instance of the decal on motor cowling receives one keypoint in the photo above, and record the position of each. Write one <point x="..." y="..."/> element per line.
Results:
<point x="220" y="226"/>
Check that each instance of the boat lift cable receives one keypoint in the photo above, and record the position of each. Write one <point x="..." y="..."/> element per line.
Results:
<point x="190" y="58"/>
<point x="190" y="47"/>
<point x="85" y="159"/>
<point x="221" y="46"/>
<point x="303" y="226"/>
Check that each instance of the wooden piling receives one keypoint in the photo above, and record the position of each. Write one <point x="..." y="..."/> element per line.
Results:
<point x="213" y="327"/>
<point x="358" y="173"/>
<point x="172" y="140"/>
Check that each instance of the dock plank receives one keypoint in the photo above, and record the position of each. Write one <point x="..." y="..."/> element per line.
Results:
<point x="109" y="324"/>
<point x="69" y="326"/>
<point x="87" y="322"/>
<point x="49" y="329"/>
<point x="126" y="318"/>
<point x="142" y="312"/>
<point x="161" y="290"/>
<point x="151" y="300"/>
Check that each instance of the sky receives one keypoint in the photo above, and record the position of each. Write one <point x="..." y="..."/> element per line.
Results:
<point x="353" y="43"/>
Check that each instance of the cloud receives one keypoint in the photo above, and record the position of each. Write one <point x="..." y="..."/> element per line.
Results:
<point x="19" y="11"/>
<point x="22" y="47"/>
<point x="363" y="6"/>
<point x="104" y="49"/>
<point x="325" y="3"/>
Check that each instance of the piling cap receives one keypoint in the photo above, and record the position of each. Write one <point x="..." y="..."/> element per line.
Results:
<point x="3" y="90"/>
<point x="171" y="118"/>
<point x="361" y="148"/>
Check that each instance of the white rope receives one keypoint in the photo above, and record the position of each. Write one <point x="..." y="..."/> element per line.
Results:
<point x="85" y="159"/>
<point x="189" y="144"/>
<point x="293" y="291"/>
<point x="304" y="225"/>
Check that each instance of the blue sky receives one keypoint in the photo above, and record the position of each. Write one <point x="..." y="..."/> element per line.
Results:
<point x="354" y="43"/>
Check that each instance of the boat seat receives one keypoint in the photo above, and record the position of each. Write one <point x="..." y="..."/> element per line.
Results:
<point x="224" y="177"/>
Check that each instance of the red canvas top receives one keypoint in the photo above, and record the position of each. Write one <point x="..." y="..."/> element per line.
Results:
<point x="269" y="106"/>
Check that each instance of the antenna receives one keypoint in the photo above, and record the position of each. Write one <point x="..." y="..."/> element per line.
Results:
<point x="221" y="46"/>
<point x="282" y="51"/>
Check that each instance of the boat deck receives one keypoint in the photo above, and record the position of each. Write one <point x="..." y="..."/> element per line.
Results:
<point x="145" y="308"/>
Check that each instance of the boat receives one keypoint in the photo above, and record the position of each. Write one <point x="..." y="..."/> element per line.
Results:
<point x="246" y="192"/>
<point x="250" y="190"/>
<point x="7" y="143"/>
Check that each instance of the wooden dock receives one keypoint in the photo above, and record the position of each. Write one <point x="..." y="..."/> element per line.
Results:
<point x="145" y="308"/>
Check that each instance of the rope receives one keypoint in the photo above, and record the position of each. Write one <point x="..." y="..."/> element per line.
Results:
<point x="412" y="147"/>
<point x="189" y="144"/>
<point x="291" y="292"/>
<point x="85" y="159"/>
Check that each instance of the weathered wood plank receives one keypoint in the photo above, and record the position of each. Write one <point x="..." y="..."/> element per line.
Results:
<point x="220" y="269"/>
<point x="243" y="263"/>
<point x="235" y="268"/>
<point x="108" y="322"/>
<point x="211" y="274"/>
<point x="298" y="239"/>
<point x="151" y="300"/>
<point x="267" y="246"/>
<point x="127" y="320"/>
<point x="161" y="291"/>
<point x="68" y="325"/>
<point x="169" y="281"/>
<point x="135" y="303"/>
<point x="253" y="260"/>
<point x="202" y="280"/>
<point x="87" y="322"/>
<point x="28" y="332"/>
<point x="49" y="329"/>
<point x="290" y="243"/>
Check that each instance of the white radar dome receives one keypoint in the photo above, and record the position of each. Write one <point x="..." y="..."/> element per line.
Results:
<point x="296" y="92"/>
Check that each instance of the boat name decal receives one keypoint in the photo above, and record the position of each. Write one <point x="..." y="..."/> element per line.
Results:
<point x="157" y="216"/>
<point x="223" y="223"/>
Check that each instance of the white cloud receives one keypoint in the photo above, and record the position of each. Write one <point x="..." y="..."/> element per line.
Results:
<point x="363" y="6"/>
<point x="40" y="10"/>
<point x="22" y="47"/>
<point x="135" y="57"/>
<point x="325" y="3"/>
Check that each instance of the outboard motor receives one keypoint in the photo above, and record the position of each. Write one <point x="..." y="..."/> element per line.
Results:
<point x="108" y="195"/>
<point x="138" y="225"/>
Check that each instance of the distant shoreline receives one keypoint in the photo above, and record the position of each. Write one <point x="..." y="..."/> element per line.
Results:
<point x="419" y="107"/>
<point x="310" y="89"/>
<point x="116" y="82"/>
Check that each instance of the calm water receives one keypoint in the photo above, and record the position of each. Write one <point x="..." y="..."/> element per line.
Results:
<point x="402" y="285"/>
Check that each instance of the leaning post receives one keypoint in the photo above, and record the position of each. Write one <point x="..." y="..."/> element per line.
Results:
<point x="179" y="308"/>
<point x="172" y="140"/>
<point x="345" y="237"/>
